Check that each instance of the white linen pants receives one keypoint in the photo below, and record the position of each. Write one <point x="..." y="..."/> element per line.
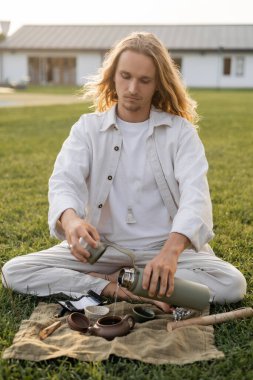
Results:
<point x="56" y="270"/>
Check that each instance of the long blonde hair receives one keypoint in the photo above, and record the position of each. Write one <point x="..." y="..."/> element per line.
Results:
<point x="171" y="94"/>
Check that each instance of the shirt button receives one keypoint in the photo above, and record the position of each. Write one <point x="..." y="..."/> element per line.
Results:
<point x="100" y="205"/>
<point x="109" y="177"/>
<point x="116" y="148"/>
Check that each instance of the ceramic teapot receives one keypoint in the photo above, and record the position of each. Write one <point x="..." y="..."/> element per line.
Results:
<point x="111" y="326"/>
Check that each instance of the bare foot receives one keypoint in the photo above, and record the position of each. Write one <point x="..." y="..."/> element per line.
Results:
<point x="124" y="294"/>
<point x="163" y="306"/>
<point x="112" y="277"/>
<point x="110" y="290"/>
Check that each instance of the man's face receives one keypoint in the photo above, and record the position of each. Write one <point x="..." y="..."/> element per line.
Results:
<point x="135" y="83"/>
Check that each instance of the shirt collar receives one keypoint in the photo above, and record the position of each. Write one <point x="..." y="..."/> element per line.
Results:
<point x="157" y="118"/>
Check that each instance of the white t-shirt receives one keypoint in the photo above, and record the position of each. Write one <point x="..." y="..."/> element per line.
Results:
<point x="134" y="215"/>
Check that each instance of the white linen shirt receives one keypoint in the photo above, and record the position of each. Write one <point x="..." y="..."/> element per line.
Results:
<point x="134" y="215"/>
<point x="87" y="164"/>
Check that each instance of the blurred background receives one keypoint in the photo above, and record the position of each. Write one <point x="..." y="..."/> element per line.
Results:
<point x="61" y="43"/>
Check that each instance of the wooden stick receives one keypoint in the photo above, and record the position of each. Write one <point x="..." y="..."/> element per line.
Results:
<point x="49" y="330"/>
<point x="213" y="319"/>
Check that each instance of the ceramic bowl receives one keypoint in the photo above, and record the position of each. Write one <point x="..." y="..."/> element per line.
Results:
<point x="78" y="322"/>
<point x="143" y="314"/>
<point x="95" y="312"/>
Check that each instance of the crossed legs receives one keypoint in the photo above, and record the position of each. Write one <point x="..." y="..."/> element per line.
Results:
<point x="56" y="270"/>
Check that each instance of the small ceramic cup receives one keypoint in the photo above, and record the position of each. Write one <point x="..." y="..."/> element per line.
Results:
<point x="95" y="312"/>
<point x="143" y="314"/>
<point x="78" y="322"/>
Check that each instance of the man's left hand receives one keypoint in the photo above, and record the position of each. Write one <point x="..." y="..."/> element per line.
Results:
<point x="162" y="268"/>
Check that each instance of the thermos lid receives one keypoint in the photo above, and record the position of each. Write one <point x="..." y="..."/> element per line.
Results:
<point x="126" y="277"/>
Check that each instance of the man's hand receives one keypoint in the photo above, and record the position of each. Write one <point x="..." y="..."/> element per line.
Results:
<point x="76" y="228"/>
<point x="162" y="268"/>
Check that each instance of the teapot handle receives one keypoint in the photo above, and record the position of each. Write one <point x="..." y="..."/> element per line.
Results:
<point x="130" y="319"/>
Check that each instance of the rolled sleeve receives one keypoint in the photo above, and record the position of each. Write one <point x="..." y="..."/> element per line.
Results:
<point x="194" y="215"/>
<point x="67" y="185"/>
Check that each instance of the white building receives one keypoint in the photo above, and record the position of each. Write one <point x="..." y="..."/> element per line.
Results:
<point x="211" y="56"/>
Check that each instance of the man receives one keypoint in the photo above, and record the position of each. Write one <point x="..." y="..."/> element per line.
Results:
<point x="133" y="173"/>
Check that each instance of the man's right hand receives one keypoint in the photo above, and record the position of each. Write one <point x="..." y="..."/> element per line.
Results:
<point x="76" y="228"/>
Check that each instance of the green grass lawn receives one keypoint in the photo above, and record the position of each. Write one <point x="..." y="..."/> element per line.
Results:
<point x="30" y="139"/>
<point x="57" y="90"/>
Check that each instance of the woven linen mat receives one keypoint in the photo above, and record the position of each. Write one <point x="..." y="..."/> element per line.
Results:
<point x="149" y="342"/>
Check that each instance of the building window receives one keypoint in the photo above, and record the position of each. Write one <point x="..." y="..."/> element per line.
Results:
<point x="239" y="71"/>
<point x="178" y="62"/>
<point x="226" y="66"/>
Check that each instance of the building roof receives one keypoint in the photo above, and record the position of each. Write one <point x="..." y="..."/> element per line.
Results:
<point x="103" y="37"/>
